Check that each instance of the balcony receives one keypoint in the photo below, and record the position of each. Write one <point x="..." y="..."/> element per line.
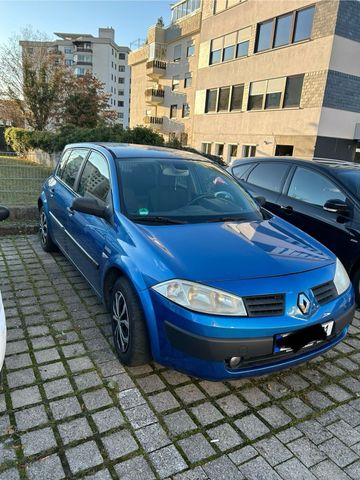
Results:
<point x="83" y="50"/>
<point x="155" y="69"/>
<point x="154" y="96"/>
<point x="82" y="63"/>
<point x="154" y="122"/>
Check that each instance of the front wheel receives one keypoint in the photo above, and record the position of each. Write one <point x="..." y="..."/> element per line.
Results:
<point x="130" y="333"/>
<point x="45" y="238"/>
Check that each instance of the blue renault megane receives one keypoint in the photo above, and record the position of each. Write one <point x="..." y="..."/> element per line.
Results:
<point x="196" y="274"/>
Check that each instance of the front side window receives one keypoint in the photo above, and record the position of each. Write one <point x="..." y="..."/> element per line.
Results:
<point x="62" y="163"/>
<point x="240" y="170"/>
<point x="312" y="187"/>
<point x="161" y="190"/>
<point x="303" y="24"/>
<point x="269" y="175"/>
<point x="95" y="179"/>
<point x="73" y="165"/>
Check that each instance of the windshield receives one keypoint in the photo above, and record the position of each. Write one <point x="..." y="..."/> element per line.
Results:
<point x="160" y="190"/>
<point x="351" y="180"/>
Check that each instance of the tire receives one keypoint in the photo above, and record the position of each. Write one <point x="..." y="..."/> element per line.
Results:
<point x="129" y="328"/>
<point x="45" y="238"/>
<point x="356" y="284"/>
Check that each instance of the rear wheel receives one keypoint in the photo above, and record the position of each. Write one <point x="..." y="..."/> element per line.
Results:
<point x="45" y="238"/>
<point x="130" y="334"/>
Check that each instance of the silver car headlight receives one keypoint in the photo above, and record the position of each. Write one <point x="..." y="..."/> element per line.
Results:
<point x="341" y="278"/>
<point x="201" y="298"/>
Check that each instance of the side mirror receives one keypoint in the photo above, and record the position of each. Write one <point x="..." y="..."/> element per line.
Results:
<point x="4" y="213"/>
<point x="261" y="201"/>
<point x="336" y="206"/>
<point x="92" y="206"/>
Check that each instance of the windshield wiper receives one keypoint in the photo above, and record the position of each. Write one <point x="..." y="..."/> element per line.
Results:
<point x="156" y="219"/>
<point x="225" y="219"/>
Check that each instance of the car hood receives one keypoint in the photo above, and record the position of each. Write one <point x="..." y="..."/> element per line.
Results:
<point x="235" y="250"/>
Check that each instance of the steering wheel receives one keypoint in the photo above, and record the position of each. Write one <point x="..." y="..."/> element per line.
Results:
<point x="195" y="200"/>
<point x="224" y="195"/>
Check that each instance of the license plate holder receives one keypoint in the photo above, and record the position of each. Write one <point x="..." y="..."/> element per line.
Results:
<point x="304" y="338"/>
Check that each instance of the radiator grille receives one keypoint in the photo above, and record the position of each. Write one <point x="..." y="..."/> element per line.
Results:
<point x="265" y="305"/>
<point x="325" y="292"/>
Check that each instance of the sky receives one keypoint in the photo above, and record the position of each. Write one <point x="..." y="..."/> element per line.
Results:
<point x="129" y="18"/>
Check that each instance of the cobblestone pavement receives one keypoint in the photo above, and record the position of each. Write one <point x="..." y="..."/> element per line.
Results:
<point x="68" y="409"/>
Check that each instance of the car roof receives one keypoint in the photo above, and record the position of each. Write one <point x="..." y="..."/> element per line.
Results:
<point x="128" y="150"/>
<point x="322" y="163"/>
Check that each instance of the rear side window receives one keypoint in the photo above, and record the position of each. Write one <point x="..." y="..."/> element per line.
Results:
<point x="95" y="179"/>
<point x="240" y="171"/>
<point x="312" y="187"/>
<point x="72" y="166"/>
<point x="269" y="175"/>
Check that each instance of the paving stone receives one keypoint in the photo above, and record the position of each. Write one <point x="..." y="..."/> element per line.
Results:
<point x="243" y="455"/>
<point x="337" y="393"/>
<point x="113" y="367"/>
<point x="48" y="468"/>
<point x="327" y="470"/>
<point x="131" y="398"/>
<point x="152" y="437"/>
<point x="313" y="375"/>
<point x="349" y="414"/>
<point x="67" y="407"/>
<point x="351" y="384"/>
<point x="258" y="469"/>
<point x="196" y="473"/>
<point x="140" y="416"/>
<point x="119" y="444"/>
<point x="273" y="451"/>
<point x="87" y="380"/>
<point x="222" y="469"/>
<point x="225" y="437"/>
<point x="276" y="389"/>
<point x="108" y="419"/>
<point x="251" y="427"/>
<point x="16" y="347"/>
<point x="331" y="369"/>
<point x="121" y="381"/>
<point x="18" y="361"/>
<point x="25" y="396"/>
<point x="57" y="388"/>
<point x="37" y="441"/>
<point x="297" y="407"/>
<point x="167" y="461"/>
<point x="7" y="451"/>
<point x="151" y="383"/>
<point x="231" y="405"/>
<point x="206" y="413"/>
<point x="189" y="394"/>
<point x="306" y="451"/>
<point x="30" y="417"/>
<point x="21" y="377"/>
<point x="275" y="416"/>
<point x="173" y="377"/>
<point x="318" y="400"/>
<point x="101" y="475"/>
<point x="45" y="356"/>
<point x="344" y="432"/>
<point x="314" y="431"/>
<point x="52" y="370"/>
<point x="96" y="399"/>
<point x="42" y="342"/>
<point x="164" y="401"/>
<point x="134" y="469"/>
<point x="214" y="389"/>
<point x="196" y="447"/>
<point x="295" y="470"/>
<point x="338" y="452"/>
<point x="353" y="471"/>
<point x="79" y="364"/>
<point x="254" y="396"/>
<point x="77" y="429"/>
<point x="74" y="350"/>
<point x="84" y="456"/>
<point x="179" y="422"/>
<point x="11" y="474"/>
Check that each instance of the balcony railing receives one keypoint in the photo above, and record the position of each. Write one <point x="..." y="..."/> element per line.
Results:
<point x="153" y="121"/>
<point x="154" y="95"/>
<point x="156" y="68"/>
<point x="82" y="63"/>
<point x="83" y="49"/>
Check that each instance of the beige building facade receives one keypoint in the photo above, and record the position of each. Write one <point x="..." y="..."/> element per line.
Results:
<point x="275" y="77"/>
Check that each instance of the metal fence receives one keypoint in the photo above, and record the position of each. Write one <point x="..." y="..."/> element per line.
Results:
<point x="20" y="181"/>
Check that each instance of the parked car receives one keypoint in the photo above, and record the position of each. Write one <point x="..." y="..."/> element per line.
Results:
<point x="4" y="213"/>
<point x="194" y="273"/>
<point x="321" y="197"/>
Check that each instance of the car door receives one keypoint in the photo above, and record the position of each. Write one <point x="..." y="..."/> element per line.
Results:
<point x="61" y="192"/>
<point x="303" y="205"/>
<point x="267" y="180"/>
<point x="87" y="233"/>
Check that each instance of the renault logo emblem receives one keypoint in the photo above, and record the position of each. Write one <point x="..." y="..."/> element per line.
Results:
<point x="303" y="303"/>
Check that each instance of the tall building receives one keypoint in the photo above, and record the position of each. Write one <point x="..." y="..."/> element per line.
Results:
<point x="270" y="78"/>
<point x="101" y="56"/>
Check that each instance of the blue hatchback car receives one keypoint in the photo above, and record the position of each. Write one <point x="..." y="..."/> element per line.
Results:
<point x="195" y="273"/>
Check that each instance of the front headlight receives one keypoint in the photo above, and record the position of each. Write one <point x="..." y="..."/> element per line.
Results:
<point x="341" y="278"/>
<point x="200" y="298"/>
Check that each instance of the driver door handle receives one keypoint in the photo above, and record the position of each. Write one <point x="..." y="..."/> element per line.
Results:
<point x="287" y="209"/>
<point x="70" y="211"/>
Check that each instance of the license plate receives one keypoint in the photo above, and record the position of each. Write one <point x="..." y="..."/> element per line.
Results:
<point x="304" y="338"/>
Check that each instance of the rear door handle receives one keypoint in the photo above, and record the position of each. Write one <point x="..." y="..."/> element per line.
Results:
<point x="287" y="209"/>
<point x="70" y="211"/>
<point x="52" y="191"/>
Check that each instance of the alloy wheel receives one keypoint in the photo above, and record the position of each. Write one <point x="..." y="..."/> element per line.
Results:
<point x="43" y="228"/>
<point x="121" y="319"/>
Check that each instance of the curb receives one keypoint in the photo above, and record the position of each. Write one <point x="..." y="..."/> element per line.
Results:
<point x="18" y="229"/>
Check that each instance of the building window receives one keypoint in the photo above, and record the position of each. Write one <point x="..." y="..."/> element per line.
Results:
<point x="233" y="151"/>
<point x="242" y="49"/>
<point x="67" y="50"/>
<point x="121" y="80"/>
<point x="285" y="29"/>
<point x="284" y="150"/>
<point x="184" y="8"/>
<point x="190" y="50"/>
<point x="224" y="96"/>
<point x="249" y="150"/>
<point x="186" y="110"/>
<point x="121" y="56"/>
<point x="173" y="111"/>
<point x="237" y="97"/>
<point x="120" y="115"/>
<point x="175" y="83"/>
<point x="206" y="147"/>
<point x="177" y="53"/>
<point x="219" y="149"/>
<point x="293" y="91"/>
<point x="120" y="103"/>
<point x="211" y="100"/>
<point x="120" y="92"/>
<point x="231" y="46"/>
<point x="216" y="51"/>
<point x="221" y="5"/>
<point x="121" y="68"/>
<point x="68" y="62"/>
<point x="188" y="80"/>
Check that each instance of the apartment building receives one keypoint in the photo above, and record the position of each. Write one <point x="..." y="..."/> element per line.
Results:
<point x="164" y="74"/>
<point x="275" y="77"/>
<point x="100" y="56"/>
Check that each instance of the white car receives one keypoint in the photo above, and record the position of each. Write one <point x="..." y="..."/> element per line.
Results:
<point x="4" y="213"/>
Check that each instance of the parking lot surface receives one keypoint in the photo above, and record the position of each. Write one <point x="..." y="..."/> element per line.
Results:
<point x="69" y="409"/>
